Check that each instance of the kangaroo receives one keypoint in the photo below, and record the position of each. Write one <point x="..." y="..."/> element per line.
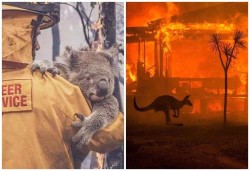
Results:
<point x="165" y="103"/>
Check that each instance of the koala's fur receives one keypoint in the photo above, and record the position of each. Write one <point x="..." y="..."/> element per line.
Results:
<point x="94" y="73"/>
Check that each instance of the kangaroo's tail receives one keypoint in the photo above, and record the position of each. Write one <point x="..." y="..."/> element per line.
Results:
<point x="143" y="109"/>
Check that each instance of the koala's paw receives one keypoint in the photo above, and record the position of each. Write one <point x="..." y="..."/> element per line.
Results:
<point x="44" y="66"/>
<point x="77" y="124"/>
<point x="82" y="137"/>
<point x="85" y="140"/>
<point x="54" y="71"/>
<point x="80" y="116"/>
<point x="80" y="123"/>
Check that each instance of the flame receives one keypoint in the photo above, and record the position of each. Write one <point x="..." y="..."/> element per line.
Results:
<point x="175" y="31"/>
<point x="215" y="106"/>
<point x="242" y="90"/>
<point x="217" y="27"/>
<point x="131" y="76"/>
<point x="172" y="9"/>
<point x="196" y="106"/>
<point x="190" y="57"/>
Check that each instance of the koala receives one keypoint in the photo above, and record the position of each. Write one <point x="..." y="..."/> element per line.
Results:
<point x="94" y="73"/>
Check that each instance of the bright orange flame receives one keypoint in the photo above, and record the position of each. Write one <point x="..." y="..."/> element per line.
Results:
<point x="242" y="90"/>
<point x="191" y="56"/>
<point x="175" y="31"/>
<point x="196" y="106"/>
<point x="215" y="106"/>
<point x="217" y="27"/>
<point x="130" y="73"/>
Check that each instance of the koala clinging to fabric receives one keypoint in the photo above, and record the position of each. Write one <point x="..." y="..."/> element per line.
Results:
<point x="94" y="73"/>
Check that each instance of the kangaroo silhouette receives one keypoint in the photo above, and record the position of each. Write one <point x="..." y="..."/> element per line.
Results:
<point x="165" y="103"/>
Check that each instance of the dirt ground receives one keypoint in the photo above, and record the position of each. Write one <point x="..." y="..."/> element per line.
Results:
<point x="187" y="147"/>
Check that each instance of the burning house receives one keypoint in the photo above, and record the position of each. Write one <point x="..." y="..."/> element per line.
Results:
<point x="168" y="52"/>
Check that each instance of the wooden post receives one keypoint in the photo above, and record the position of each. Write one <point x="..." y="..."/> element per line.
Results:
<point x="156" y="58"/>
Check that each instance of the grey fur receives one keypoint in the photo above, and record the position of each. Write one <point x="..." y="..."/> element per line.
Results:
<point x="91" y="70"/>
<point x="94" y="73"/>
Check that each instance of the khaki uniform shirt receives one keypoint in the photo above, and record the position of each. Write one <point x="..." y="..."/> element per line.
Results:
<point x="37" y="118"/>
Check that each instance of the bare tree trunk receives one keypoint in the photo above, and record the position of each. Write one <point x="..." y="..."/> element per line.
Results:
<point x="225" y="99"/>
<point x="56" y="41"/>
<point x="109" y="21"/>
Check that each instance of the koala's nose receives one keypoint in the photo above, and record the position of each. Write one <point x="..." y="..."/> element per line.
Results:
<point x="102" y="87"/>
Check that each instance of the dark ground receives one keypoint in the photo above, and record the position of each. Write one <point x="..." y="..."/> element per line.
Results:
<point x="190" y="147"/>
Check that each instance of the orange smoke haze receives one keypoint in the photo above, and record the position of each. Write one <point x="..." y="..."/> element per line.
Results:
<point x="140" y="13"/>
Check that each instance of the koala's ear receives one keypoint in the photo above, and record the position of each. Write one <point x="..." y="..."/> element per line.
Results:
<point x="114" y="50"/>
<point x="111" y="54"/>
<point x="67" y="51"/>
<point x="63" y="63"/>
<point x="71" y="56"/>
<point x="74" y="58"/>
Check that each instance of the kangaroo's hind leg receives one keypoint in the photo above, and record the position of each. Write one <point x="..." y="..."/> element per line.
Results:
<point x="167" y="116"/>
<point x="178" y="113"/>
<point x="175" y="115"/>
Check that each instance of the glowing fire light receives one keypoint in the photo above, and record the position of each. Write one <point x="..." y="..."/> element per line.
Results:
<point x="130" y="73"/>
<point x="169" y="31"/>
<point x="215" y="106"/>
<point x="175" y="31"/>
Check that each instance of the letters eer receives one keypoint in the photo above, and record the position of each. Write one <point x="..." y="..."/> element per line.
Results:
<point x="12" y="96"/>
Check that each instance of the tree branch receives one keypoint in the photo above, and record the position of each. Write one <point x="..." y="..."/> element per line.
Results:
<point x="82" y="21"/>
<point x="221" y="60"/>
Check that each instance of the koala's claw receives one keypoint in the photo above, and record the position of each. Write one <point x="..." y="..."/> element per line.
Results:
<point x="44" y="66"/>
<point x="82" y="143"/>
<point x="75" y="139"/>
<point x="85" y="140"/>
<point x="77" y="124"/>
<point x="80" y="116"/>
<point x="82" y="137"/>
<point x="54" y="71"/>
<point x="35" y="66"/>
<point x="79" y="146"/>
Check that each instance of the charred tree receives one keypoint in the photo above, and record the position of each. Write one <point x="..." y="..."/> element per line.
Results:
<point x="227" y="52"/>
<point x="109" y="23"/>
